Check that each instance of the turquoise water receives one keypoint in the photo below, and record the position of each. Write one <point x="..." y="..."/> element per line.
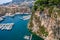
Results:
<point x="19" y="30"/>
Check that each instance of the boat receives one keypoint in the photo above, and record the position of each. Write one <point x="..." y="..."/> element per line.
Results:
<point x="1" y="18"/>
<point x="28" y="37"/>
<point x="6" y="26"/>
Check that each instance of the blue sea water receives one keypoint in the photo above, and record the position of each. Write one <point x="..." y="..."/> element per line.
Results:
<point x="19" y="30"/>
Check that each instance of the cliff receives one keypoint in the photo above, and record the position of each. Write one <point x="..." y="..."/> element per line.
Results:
<point x="45" y="19"/>
<point x="46" y="24"/>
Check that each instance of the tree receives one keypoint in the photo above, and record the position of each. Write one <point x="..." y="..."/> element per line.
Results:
<point x="45" y="3"/>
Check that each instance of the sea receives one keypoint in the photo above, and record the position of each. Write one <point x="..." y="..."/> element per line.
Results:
<point x="19" y="29"/>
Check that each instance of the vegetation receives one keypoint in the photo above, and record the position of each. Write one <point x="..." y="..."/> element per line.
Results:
<point x="31" y="24"/>
<point x="45" y="3"/>
<point x="50" y="4"/>
<point x="53" y="10"/>
<point x="43" y="31"/>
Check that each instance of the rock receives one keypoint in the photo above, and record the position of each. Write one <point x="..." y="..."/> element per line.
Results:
<point x="47" y="27"/>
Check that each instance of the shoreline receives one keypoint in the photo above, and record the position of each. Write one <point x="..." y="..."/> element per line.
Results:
<point x="12" y="15"/>
<point x="34" y="35"/>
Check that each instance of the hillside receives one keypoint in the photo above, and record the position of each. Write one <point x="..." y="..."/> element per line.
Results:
<point x="14" y="9"/>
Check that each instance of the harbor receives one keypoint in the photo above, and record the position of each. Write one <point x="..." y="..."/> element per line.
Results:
<point x="14" y="18"/>
<point x="17" y="27"/>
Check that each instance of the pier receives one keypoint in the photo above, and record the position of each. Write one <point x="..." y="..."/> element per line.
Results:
<point x="31" y="37"/>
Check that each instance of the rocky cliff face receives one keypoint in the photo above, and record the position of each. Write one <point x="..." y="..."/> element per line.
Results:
<point x="46" y="24"/>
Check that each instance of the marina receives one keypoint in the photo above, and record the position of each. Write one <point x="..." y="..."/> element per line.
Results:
<point x="14" y="18"/>
<point x="7" y="26"/>
<point x="18" y="26"/>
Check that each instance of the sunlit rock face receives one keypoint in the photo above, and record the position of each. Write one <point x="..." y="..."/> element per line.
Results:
<point x="45" y="25"/>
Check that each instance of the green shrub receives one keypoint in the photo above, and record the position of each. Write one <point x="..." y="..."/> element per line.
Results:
<point x="42" y="30"/>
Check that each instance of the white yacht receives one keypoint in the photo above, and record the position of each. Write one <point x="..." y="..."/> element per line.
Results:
<point x="1" y="18"/>
<point x="28" y="37"/>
